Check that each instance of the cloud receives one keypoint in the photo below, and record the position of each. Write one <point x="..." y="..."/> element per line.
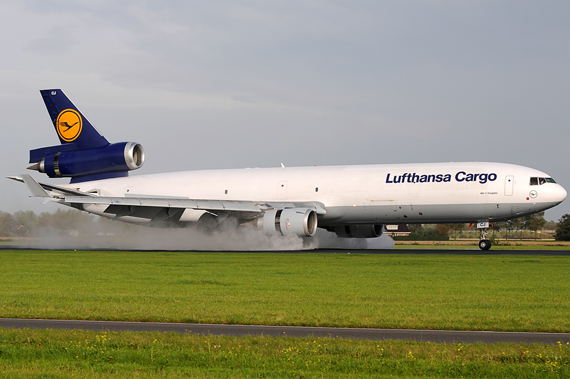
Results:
<point x="255" y="83"/>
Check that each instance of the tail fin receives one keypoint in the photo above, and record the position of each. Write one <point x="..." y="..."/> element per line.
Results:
<point x="84" y="154"/>
<point x="70" y="124"/>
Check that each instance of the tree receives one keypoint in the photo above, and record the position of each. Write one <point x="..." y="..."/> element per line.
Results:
<point x="66" y="221"/>
<point x="501" y="225"/>
<point x="441" y="230"/>
<point x="427" y="232"/>
<point x="414" y="227"/>
<point x="7" y="224"/>
<point x="457" y="229"/>
<point x="550" y="225"/>
<point x="26" y="222"/>
<point x="534" y="222"/>
<point x="515" y="224"/>
<point x="563" y="228"/>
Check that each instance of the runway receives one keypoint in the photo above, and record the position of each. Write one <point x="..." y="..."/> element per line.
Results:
<point x="434" y="251"/>
<point x="474" y="251"/>
<point x="438" y="336"/>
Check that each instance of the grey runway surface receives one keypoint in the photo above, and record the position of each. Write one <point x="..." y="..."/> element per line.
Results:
<point x="474" y="251"/>
<point x="439" y="336"/>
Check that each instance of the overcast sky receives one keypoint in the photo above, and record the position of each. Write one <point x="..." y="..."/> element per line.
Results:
<point x="232" y="84"/>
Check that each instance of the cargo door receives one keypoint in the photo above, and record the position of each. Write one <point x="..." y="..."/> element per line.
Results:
<point x="509" y="185"/>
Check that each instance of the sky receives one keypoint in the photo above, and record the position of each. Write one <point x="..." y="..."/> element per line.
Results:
<point x="233" y="84"/>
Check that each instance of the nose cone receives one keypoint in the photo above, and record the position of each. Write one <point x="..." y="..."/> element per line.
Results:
<point x="551" y="195"/>
<point x="561" y="194"/>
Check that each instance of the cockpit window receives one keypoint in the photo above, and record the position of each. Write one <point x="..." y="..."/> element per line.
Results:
<point x="540" y="181"/>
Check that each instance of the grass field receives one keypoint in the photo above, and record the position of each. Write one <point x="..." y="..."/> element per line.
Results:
<point x="509" y="293"/>
<point x="67" y="354"/>
<point x="517" y="293"/>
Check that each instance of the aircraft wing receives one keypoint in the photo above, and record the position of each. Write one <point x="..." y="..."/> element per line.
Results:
<point x="160" y="208"/>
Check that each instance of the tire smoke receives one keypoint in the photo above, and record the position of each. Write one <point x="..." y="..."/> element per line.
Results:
<point x="108" y="234"/>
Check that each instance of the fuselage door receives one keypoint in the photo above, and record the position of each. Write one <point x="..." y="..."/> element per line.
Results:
<point x="509" y="185"/>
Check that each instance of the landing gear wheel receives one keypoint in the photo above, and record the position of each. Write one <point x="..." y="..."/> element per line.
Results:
<point x="484" y="244"/>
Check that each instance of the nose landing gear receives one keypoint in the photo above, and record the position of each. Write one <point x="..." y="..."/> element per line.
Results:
<point x="484" y="243"/>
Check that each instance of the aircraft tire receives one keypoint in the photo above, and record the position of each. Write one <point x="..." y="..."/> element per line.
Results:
<point x="484" y="244"/>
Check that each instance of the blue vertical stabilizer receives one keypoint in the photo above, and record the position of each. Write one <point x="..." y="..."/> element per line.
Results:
<point x="70" y="124"/>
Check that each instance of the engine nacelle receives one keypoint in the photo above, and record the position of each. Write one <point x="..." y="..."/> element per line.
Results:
<point x="116" y="157"/>
<point x="359" y="231"/>
<point x="297" y="221"/>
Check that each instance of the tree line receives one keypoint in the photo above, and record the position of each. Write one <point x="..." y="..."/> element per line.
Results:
<point x="532" y="223"/>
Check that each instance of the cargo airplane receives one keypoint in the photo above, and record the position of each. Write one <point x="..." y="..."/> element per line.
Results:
<point x="350" y="201"/>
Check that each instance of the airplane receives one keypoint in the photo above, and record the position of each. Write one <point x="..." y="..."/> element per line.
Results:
<point x="350" y="201"/>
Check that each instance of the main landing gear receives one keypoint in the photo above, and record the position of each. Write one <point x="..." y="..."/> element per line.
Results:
<point x="484" y="243"/>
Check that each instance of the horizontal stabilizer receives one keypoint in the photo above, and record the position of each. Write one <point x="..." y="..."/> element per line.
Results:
<point x="43" y="187"/>
<point x="35" y="188"/>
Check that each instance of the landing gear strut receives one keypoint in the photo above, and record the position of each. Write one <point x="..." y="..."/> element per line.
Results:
<point x="484" y="243"/>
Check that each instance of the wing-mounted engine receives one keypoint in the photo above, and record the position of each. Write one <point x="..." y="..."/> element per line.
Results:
<point x="66" y="161"/>
<point x="358" y="231"/>
<point x="297" y="221"/>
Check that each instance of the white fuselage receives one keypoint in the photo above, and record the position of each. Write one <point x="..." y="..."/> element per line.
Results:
<point x="370" y="194"/>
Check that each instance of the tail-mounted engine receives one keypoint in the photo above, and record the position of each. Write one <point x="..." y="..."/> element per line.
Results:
<point x="297" y="221"/>
<point x="64" y="161"/>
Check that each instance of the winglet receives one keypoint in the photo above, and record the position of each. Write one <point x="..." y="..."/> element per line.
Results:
<point x="34" y="187"/>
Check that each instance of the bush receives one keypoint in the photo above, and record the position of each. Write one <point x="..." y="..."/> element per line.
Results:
<point x="428" y="233"/>
<point x="563" y="229"/>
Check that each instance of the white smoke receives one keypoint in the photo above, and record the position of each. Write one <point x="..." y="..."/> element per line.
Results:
<point x="327" y="240"/>
<point x="107" y="234"/>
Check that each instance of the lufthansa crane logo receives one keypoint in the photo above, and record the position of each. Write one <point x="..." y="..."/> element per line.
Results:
<point x="69" y="125"/>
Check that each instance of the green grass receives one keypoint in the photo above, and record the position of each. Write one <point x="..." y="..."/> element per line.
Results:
<point x="509" y="293"/>
<point x="66" y="354"/>
<point x="414" y="291"/>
